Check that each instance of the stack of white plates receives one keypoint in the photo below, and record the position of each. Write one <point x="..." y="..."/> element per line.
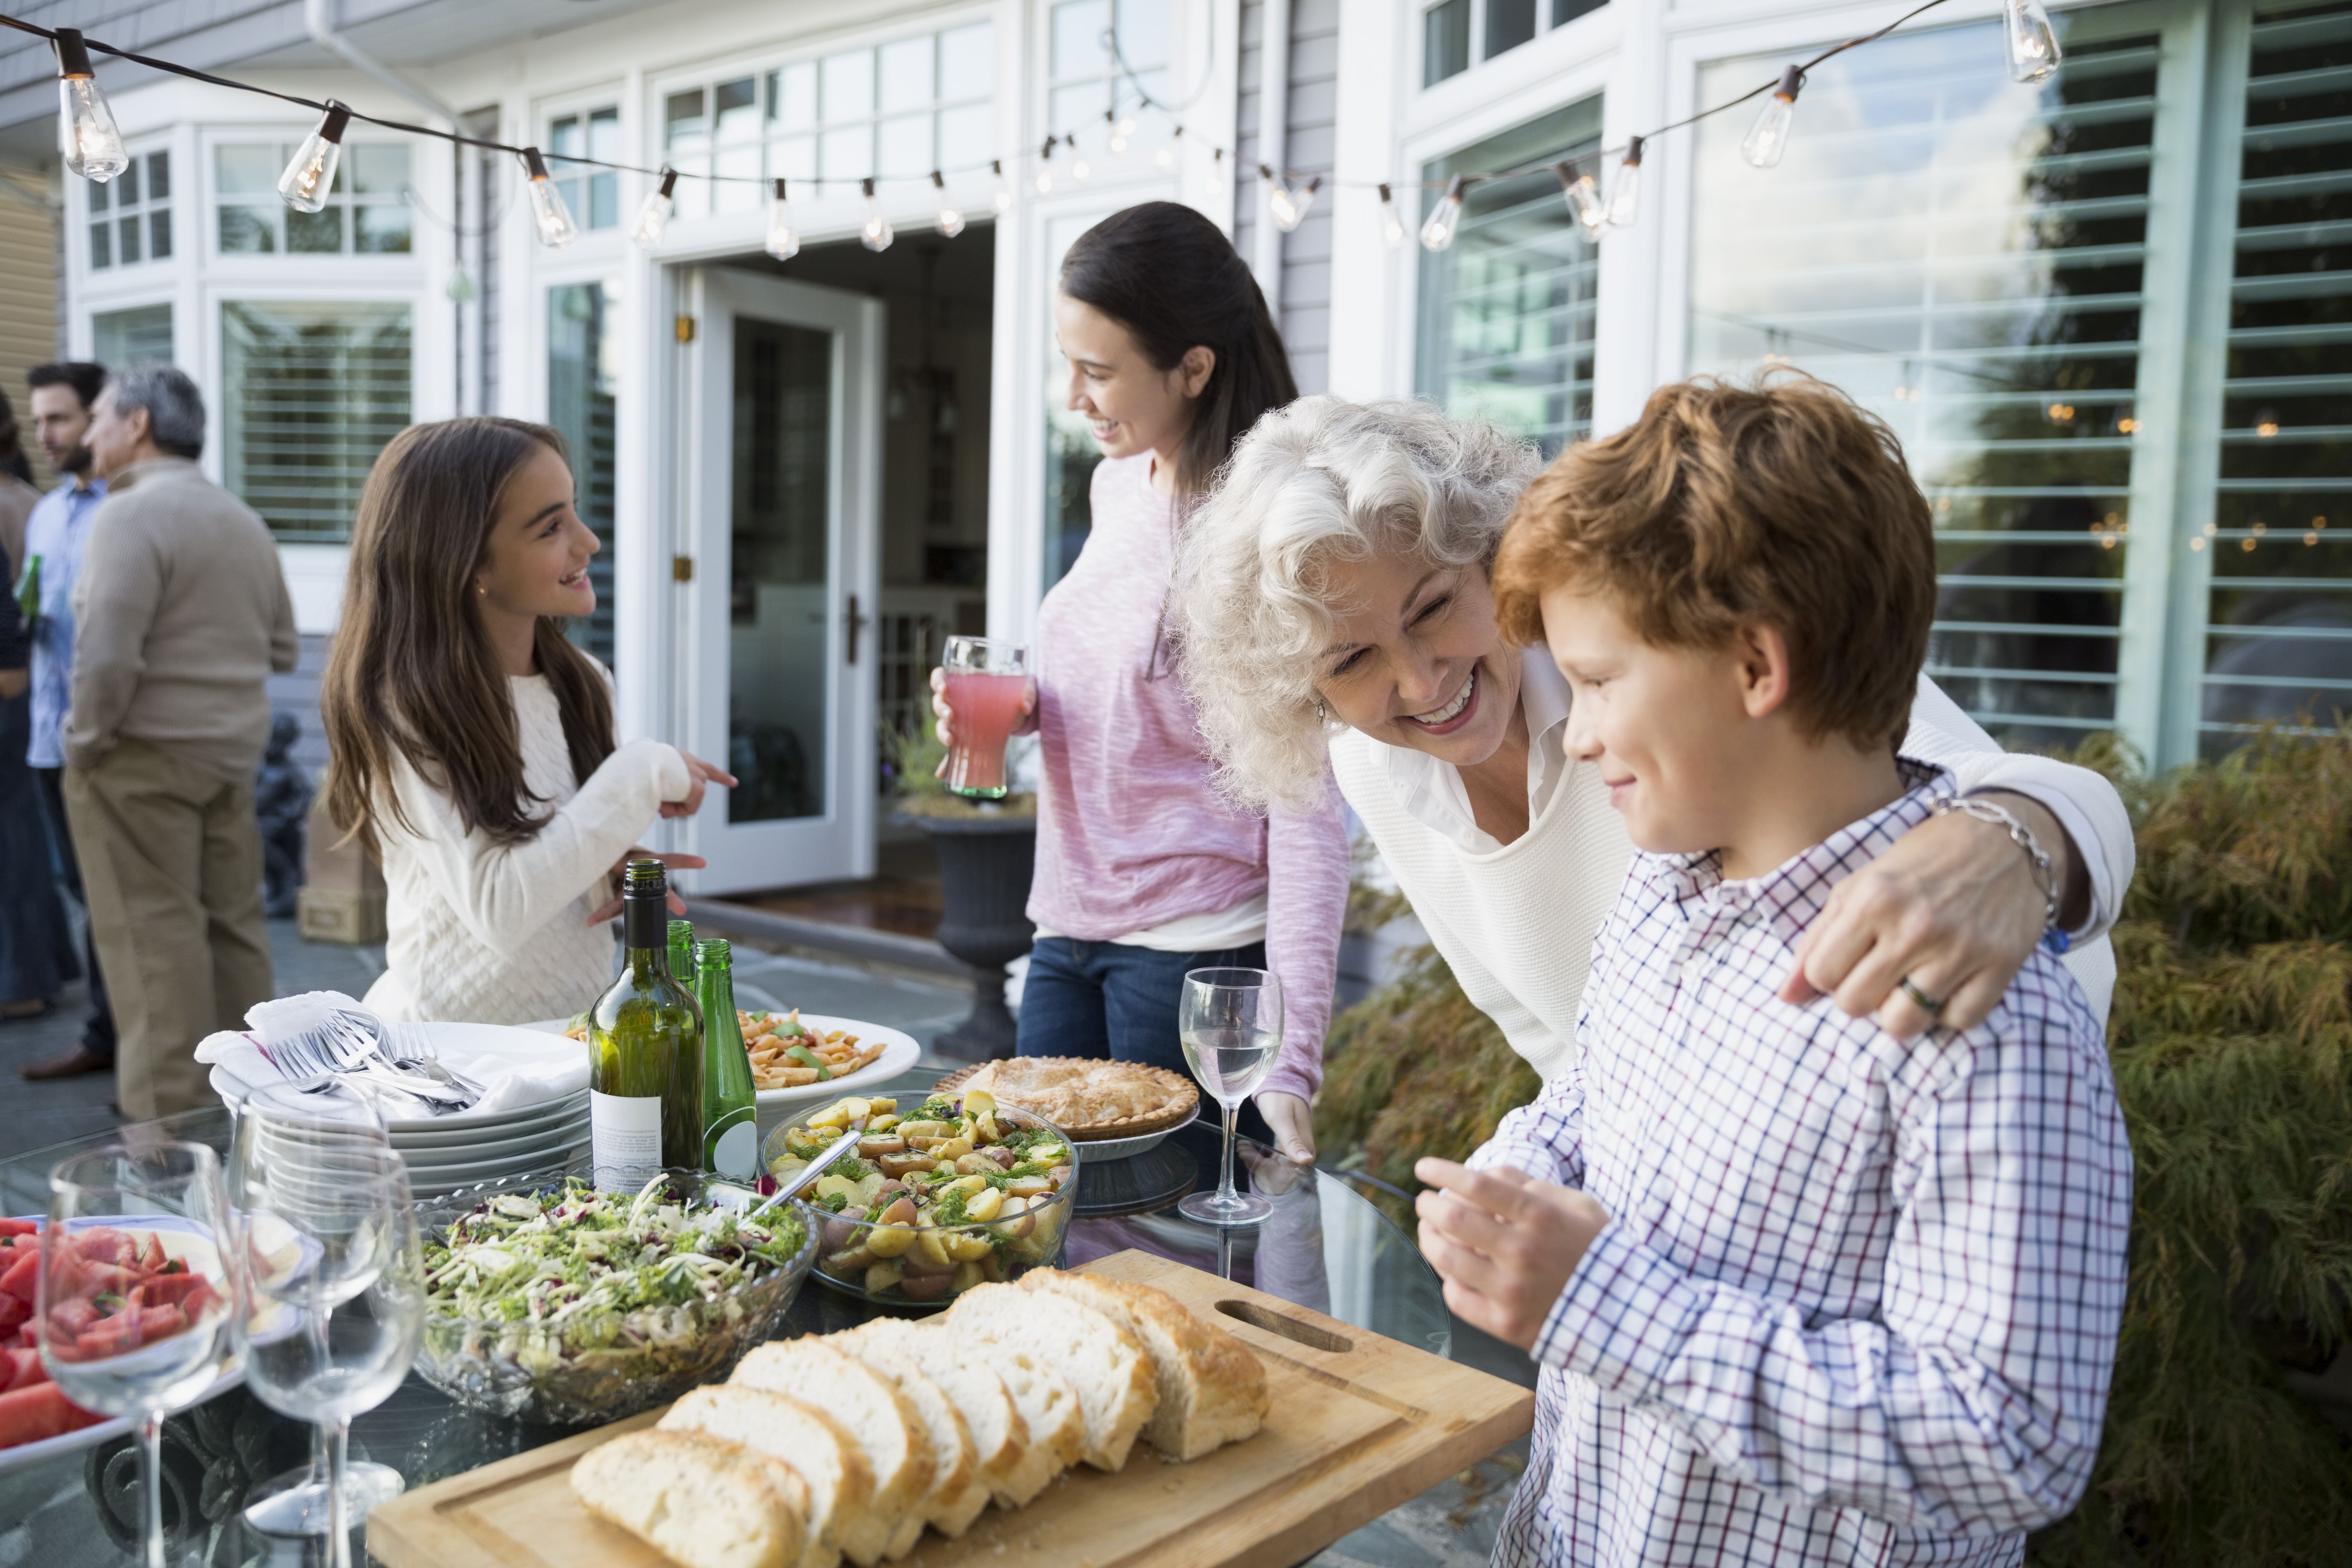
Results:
<point x="445" y="1152"/>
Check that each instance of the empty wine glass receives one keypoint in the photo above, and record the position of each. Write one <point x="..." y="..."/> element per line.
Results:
<point x="141" y="1280"/>
<point x="1231" y="1023"/>
<point x="337" y="1302"/>
<point x="282" y="1129"/>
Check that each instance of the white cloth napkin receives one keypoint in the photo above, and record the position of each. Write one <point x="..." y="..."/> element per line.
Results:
<point x="507" y="1084"/>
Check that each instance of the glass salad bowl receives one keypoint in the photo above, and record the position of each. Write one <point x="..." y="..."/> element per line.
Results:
<point x="550" y="1301"/>
<point x="956" y="1192"/>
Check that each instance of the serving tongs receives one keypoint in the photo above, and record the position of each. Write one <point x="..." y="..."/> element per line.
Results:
<point x="806" y="1177"/>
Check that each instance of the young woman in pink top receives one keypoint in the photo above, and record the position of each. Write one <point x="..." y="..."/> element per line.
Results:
<point x="1143" y="870"/>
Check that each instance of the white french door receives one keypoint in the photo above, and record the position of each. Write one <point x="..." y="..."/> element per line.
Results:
<point x="783" y="488"/>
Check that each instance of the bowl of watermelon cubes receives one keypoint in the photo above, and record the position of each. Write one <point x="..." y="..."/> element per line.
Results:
<point x="156" y="1269"/>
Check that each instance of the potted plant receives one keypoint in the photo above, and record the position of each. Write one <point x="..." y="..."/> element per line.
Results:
<point x="987" y="850"/>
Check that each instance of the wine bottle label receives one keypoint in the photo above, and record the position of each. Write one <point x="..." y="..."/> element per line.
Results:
<point x="731" y="1147"/>
<point x="624" y="1135"/>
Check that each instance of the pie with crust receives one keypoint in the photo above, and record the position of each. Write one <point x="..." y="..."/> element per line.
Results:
<point x="1090" y="1098"/>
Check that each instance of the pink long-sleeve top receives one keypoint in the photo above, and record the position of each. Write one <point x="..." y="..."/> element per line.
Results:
<point x="1132" y="832"/>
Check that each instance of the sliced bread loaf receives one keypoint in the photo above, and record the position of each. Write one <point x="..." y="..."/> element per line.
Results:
<point x="886" y="1424"/>
<point x="1104" y="1364"/>
<point x="699" y="1501"/>
<point x="1212" y="1389"/>
<point x="840" y="1482"/>
<point x="958" y="1494"/>
<point x="1012" y="1466"/>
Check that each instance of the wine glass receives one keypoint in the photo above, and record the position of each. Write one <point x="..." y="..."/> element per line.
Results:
<point x="337" y="1302"/>
<point x="141" y="1281"/>
<point x="1231" y="1023"/>
<point x="282" y="1128"/>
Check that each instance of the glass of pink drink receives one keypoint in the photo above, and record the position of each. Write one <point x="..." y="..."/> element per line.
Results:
<point x="986" y="681"/>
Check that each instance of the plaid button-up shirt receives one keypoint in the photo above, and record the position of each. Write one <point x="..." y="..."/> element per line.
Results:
<point x="1857" y="1299"/>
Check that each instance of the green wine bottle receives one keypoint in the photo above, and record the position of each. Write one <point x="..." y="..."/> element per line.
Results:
<point x="731" y="1132"/>
<point x="681" y="955"/>
<point x="645" y="1050"/>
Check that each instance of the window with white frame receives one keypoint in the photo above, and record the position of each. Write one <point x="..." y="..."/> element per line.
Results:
<point x="897" y="109"/>
<point x="2130" y="535"/>
<point x="1506" y="317"/>
<point x="1454" y="33"/>
<point x="366" y="213"/>
<point x="140" y="336"/>
<point x="1089" y="77"/>
<point x="310" y="394"/>
<point x="584" y="383"/>
<point x="592" y="195"/>
<point x="130" y="215"/>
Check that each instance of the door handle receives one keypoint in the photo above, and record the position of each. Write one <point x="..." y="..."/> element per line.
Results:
<point x="856" y="623"/>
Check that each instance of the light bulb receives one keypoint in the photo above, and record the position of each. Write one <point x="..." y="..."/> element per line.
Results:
<point x="2033" y="51"/>
<point x="876" y="233"/>
<point x="1439" y="231"/>
<point x="1624" y="197"/>
<point x="1166" y="156"/>
<point x="951" y="219"/>
<point x="1289" y="205"/>
<point x="1583" y="197"/>
<point x="311" y="173"/>
<point x="782" y="243"/>
<point x="93" y="147"/>
<point x="1080" y="168"/>
<point x="1216" y="171"/>
<point x="654" y="216"/>
<point x="1045" y="167"/>
<point x="1125" y="126"/>
<point x="1116" y="137"/>
<point x="1391" y="221"/>
<point x="546" y="209"/>
<point x="1003" y="185"/>
<point x="1769" y="137"/>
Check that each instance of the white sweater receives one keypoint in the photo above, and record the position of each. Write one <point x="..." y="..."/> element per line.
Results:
<point x="1517" y="925"/>
<point x="489" y="933"/>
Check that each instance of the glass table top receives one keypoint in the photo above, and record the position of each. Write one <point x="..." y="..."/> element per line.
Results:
<point x="1323" y="1247"/>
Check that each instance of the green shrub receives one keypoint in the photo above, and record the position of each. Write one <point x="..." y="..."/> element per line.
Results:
<point x="2232" y="1044"/>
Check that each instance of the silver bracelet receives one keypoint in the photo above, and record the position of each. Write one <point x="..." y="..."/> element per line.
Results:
<point x="2045" y="877"/>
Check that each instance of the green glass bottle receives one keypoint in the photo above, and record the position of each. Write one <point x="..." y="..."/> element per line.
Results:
<point x="731" y="1132"/>
<point x="644" y="1050"/>
<point x="681" y="955"/>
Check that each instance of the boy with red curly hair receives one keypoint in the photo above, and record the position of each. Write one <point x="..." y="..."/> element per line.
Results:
<point x="1801" y="1292"/>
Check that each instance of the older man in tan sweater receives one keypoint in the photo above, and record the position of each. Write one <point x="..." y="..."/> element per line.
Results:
<point x="181" y="614"/>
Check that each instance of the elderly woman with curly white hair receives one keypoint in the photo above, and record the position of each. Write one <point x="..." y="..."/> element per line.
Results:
<point x="1334" y="605"/>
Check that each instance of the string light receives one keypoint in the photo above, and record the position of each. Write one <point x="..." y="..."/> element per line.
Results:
<point x="1769" y="137"/>
<point x="1120" y="131"/>
<point x="1216" y="171"/>
<point x="1391" y="221"/>
<point x="93" y="146"/>
<point x="876" y="233"/>
<point x="2031" y="42"/>
<point x="311" y="173"/>
<point x="654" y="216"/>
<point x="1079" y="167"/>
<point x="1624" y="197"/>
<point x="950" y="217"/>
<point x="1166" y="157"/>
<point x="782" y="243"/>
<point x="546" y="209"/>
<point x="1045" y="167"/>
<point x="1583" y="197"/>
<point x="1004" y="186"/>
<point x="1439" y="231"/>
<point x="1288" y="206"/>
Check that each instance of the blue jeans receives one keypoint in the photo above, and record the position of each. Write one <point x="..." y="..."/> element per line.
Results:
<point x="1102" y="999"/>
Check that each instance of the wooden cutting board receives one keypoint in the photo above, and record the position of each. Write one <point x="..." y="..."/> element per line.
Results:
<point x="1358" y="1424"/>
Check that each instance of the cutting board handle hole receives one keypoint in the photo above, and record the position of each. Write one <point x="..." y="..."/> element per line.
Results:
<point x="1307" y="1334"/>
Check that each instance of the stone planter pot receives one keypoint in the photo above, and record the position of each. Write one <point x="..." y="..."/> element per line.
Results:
<point x="985" y="866"/>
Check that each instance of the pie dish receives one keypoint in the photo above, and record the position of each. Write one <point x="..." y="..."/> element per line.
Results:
<point x="1090" y="1099"/>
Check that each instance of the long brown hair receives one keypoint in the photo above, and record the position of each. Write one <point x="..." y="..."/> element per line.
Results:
<point x="1165" y="273"/>
<point x="412" y="672"/>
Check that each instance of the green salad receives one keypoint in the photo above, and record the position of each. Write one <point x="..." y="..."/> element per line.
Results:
<point x="572" y="1277"/>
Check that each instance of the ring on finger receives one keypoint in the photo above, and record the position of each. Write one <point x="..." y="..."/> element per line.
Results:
<point x="1931" y="1005"/>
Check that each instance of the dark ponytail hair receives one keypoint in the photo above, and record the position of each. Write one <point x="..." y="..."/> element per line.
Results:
<point x="1164" y="272"/>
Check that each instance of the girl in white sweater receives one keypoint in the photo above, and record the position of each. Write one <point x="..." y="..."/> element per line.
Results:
<point x="1335" y="612"/>
<point x="471" y="744"/>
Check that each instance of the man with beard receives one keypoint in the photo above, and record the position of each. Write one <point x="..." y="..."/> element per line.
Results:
<point x="63" y="396"/>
